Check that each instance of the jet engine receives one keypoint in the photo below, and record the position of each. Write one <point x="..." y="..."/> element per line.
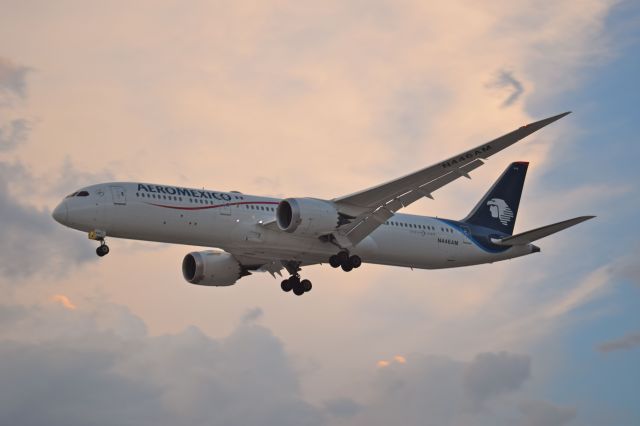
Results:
<point x="307" y="216"/>
<point x="211" y="268"/>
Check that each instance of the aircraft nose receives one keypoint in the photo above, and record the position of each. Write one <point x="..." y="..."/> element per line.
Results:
<point x="60" y="213"/>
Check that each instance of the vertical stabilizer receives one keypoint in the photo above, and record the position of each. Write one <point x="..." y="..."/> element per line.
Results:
<point x="499" y="206"/>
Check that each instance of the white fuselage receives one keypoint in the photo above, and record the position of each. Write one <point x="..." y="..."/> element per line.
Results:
<point x="236" y="222"/>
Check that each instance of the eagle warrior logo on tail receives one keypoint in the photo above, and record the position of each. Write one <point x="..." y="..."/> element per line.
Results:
<point x="500" y="210"/>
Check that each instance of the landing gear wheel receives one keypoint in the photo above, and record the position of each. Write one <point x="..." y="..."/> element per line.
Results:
<point x="298" y="290"/>
<point x="102" y="250"/>
<point x="346" y="266"/>
<point x="306" y="285"/>
<point x="355" y="261"/>
<point x="334" y="261"/>
<point x="343" y="257"/>
<point x="286" y="285"/>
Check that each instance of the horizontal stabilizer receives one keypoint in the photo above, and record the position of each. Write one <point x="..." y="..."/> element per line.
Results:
<point x="535" y="234"/>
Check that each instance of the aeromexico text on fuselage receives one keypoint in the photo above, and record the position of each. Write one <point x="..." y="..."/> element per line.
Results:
<point x="194" y="193"/>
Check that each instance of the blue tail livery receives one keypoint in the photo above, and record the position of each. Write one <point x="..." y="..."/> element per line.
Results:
<point x="499" y="206"/>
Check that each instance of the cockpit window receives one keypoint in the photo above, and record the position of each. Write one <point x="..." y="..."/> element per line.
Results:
<point x="82" y="194"/>
<point x="71" y="195"/>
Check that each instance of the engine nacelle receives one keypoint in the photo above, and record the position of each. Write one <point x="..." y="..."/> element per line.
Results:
<point x="307" y="216"/>
<point x="211" y="268"/>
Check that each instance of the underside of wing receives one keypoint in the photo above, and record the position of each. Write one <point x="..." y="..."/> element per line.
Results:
<point x="372" y="207"/>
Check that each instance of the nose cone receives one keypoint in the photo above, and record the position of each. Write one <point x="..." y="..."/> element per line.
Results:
<point x="60" y="213"/>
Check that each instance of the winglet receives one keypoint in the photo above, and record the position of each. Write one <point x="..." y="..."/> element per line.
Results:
<point x="537" y="125"/>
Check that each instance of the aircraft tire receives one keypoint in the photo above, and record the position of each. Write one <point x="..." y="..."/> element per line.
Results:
<point x="306" y="285"/>
<point x="298" y="290"/>
<point x="334" y="261"/>
<point x="346" y="266"/>
<point x="285" y="285"/>
<point x="343" y="257"/>
<point x="102" y="250"/>
<point x="355" y="261"/>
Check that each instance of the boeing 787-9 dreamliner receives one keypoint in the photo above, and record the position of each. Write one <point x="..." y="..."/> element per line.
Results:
<point x="253" y="233"/>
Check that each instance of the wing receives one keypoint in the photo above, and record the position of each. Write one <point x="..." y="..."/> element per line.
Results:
<point x="371" y="207"/>
<point x="535" y="234"/>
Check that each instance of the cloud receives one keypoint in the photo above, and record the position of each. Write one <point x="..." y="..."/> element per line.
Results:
<point x="342" y="407"/>
<point x="64" y="301"/>
<point x="436" y="390"/>
<point x="506" y="80"/>
<point x="492" y="374"/>
<point x="14" y="133"/>
<point x="97" y="364"/>
<point x="252" y="315"/>
<point x="102" y="375"/>
<point x="14" y="130"/>
<point x="12" y="79"/>
<point x="30" y="241"/>
<point x="625" y="343"/>
<point x="542" y="413"/>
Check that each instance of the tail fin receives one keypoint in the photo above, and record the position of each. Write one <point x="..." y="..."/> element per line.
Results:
<point x="499" y="206"/>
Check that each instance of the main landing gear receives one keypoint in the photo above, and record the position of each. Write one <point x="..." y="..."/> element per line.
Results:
<point x="298" y="286"/>
<point x="294" y="282"/>
<point x="103" y="248"/>
<point x="345" y="261"/>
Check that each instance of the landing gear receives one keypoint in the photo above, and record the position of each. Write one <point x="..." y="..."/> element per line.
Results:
<point x="298" y="286"/>
<point x="346" y="262"/>
<point x="99" y="235"/>
<point x="102" y="249"/>
<point x="286" y="285"/>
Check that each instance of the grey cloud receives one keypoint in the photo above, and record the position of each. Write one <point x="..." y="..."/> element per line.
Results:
<point x="625" y="343"/>
<point x="71" y="178"/>
<point x="30" y="241"/>
<point x="98" y="365"/>
<point x="13" y="78"/>
<point x="628" y="268"/>
<point x="491" y="374"/>
<point x="92" y="375"/>
<point x="506" y="80"/>
<point x="542" y="413"/>
<point x="13" y="86"/>
<point x="437" y="390"/>
<point x="14" y="133"/>
<point x="342" y="407"/>
<point x="252" y="315"/>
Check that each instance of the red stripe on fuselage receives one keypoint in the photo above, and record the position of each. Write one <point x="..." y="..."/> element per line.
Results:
<point x="211" y="207"/>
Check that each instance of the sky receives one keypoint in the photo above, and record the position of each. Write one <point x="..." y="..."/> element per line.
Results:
<point x="290" y="98"/>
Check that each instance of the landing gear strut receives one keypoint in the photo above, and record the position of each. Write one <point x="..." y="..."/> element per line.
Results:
<point x="346" y="262"/>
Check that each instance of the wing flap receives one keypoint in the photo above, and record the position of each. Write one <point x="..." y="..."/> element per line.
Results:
<point x="538" y="233"/>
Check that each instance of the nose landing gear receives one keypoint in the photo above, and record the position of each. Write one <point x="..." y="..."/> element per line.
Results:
<point x="346" y="262"/>
<point x="98" y="235"/>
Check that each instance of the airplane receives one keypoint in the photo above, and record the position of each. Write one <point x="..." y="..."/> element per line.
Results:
<point x="263" y="234"/>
